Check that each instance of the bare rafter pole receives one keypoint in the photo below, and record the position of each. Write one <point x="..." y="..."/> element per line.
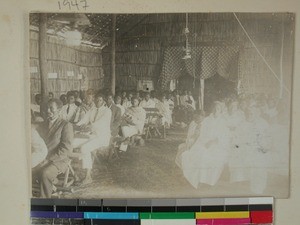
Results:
<point x="43" y="62"/>
<point x="113" y="54"/>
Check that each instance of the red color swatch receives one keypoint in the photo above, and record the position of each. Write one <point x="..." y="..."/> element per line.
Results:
<point x="261" y="216"/>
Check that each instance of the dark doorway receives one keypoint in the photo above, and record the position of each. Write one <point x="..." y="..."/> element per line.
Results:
<point x="187" y="82"/>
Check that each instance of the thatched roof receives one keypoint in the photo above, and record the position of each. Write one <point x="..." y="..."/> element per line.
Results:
<point x="96" y="28"/>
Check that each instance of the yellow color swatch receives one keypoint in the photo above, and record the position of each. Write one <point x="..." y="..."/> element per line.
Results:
<point x="215" y="215"/>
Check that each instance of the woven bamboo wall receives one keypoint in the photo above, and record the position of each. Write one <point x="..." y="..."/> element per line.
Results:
<point x="139" y="53"/>
<point x="134" y="61"/>
<point x="64" y="60"/>
<point x="254" y="74"/>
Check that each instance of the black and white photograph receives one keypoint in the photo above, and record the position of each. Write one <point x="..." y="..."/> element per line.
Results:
<point x="160" y="105"/>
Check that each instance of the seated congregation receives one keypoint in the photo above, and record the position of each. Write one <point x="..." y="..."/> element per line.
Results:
<point x="246" y="136"/>
<point x="78" y="124"/>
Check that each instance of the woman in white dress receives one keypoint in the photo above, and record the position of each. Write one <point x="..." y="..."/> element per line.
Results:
<point x="236" y="117"/>
<point x="163" y="107"/>
<point x="191" y="137"/>
<point x="134" y="119"/>
<point x="255" y="142"/>
<point x="205" y="161"/>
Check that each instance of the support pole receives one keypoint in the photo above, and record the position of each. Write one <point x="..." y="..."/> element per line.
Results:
<point x="199" y="97"/>
<point x="202" y="93"/>
<point x="43" y="63"/>
<point x="113" y="54"/>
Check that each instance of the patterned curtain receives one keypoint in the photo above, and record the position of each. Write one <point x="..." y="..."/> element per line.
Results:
<point x="173" y="64"/>
<point x="228" y="56"/>
<point x="193" y="65"/>
<point x="206" y="61"/>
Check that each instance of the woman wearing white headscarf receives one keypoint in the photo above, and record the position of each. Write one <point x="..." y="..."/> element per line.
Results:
<point x="256" y="145"/>
<point x="236" y="117"/>
<point x="205" y="161"/>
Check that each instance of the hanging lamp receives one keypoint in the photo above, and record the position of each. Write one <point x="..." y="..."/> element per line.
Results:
<point x="187" y="48"/>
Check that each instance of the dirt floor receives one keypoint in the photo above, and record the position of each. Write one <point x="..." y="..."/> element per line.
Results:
<point x="150" y="172"/>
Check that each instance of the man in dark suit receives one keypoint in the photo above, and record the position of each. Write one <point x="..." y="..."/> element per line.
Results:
<point x="58" y="136"/>
<point x="115" y="117"/>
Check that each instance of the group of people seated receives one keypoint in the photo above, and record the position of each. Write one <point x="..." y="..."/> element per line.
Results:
<point x="248" y="135"/>
<point x="244" y="134"/>
<point x="99" y="117"/>
<point x="176" y="106"/>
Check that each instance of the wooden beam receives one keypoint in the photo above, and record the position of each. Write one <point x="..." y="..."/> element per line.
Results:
<point x="43" y="63"/>
<point x="113" y="54"/>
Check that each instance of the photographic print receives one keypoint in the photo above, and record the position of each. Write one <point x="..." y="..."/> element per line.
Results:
<point x="160" y="105"/>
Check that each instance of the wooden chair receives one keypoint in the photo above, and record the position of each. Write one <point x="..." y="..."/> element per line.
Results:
<point x="69" y="180"/>
<point x="65" y="181"/>
<point x="154" y="123"/>
<point x="114" y="152"/>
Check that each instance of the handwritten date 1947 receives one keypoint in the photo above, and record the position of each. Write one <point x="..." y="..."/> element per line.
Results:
<point x="73" y="4"/>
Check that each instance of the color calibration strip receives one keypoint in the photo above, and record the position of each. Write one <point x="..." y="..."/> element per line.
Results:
<point x="210" y="211"/>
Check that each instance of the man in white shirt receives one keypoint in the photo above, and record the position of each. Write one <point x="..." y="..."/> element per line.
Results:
<point x="134" y="119"/>
<point x="97" y="123"/>
<point x="69" y="110"/>
<point x="116" y="115"/>
<point x="86" y="106"/>
<point x="147" y="102"/>
<point x="78" y="100"/>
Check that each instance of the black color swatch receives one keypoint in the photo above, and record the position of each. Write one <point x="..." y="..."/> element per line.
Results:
<point x="236" y="208"/>
<point x="212" y="208"/>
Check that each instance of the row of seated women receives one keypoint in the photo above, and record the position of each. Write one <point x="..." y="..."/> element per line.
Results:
<point x="244" y="136"/>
